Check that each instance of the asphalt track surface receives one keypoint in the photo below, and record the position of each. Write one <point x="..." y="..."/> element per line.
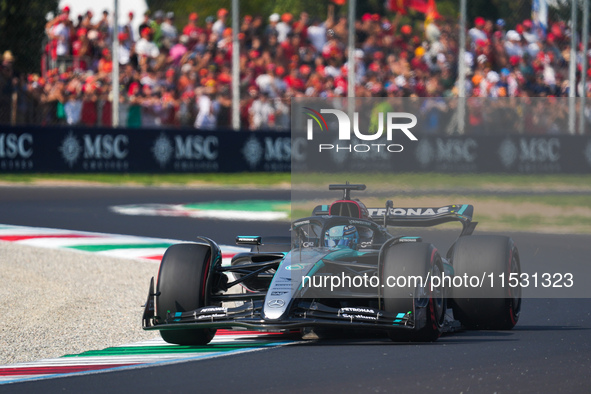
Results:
<point x="87" y="209"/>
<point x="548" y="351"/>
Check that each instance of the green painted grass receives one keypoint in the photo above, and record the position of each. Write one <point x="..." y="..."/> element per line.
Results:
<point x="422" y="181"/>
<point x="246" y="205"/>
<point x="171" y="349"/>
<point x="564" y="213"/>
<point x="528" y="221"/>
<point x="550" y="200"/>
<point x="102" y="248"/>
<point x="404" y="181"/>
<point x="258" y="179"/>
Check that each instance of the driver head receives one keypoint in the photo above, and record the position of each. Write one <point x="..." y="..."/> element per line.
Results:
<point x="345" y="236"/>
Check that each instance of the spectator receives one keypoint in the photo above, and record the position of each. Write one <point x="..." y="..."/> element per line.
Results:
<point x="124" y="47"/>
<point x="282" y="113"/>
<point x="146" y="23"/>
<point x="209" y="22"/>
<point x="82" y="50"/>
<point x="128" y="28"/>
<point x="220" y="24"/>
<point x="280" y="59"/>
<point x="528" y="33"/>
<point x="146" y="49"/>
<point x="262" y="112"/>
<point x="89" y="105"/>
<point x="513" y="44"/>
<point x="86" y="22"/>
<point x="105" y="64"/>
<point x="156" y="27"/>
<point x="186" y="114"/>
<point x="300" y="27"/>
<point x="271" y="29"/>
<point x="224" y="115"/>
<point x="58" y="31"/>
<point x="178" y="50"/>
<point x="500" y="26"/>
<point x="477" y="32"/>
<point x="7" y="76"/>
<point x="151" y="107"/>
<point x="191" y="30"/>
<point x="104" y="28"/>
<point x="266" y="82"/>
<point x="66" y="12"/>
<point x="317" y="34"/>
<point x="134" y="115"/>
<point x="206" y="109"/>
<point x="283" y="28"/>
<point x="169" y="31"/>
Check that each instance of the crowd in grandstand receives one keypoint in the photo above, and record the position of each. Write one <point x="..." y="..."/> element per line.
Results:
<point x="171" y="77"/>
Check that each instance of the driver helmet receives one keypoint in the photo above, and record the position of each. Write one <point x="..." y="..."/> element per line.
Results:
<point x="345" y="236"/>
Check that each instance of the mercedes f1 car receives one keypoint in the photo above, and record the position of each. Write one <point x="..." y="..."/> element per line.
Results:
<point x="342" y="268"/>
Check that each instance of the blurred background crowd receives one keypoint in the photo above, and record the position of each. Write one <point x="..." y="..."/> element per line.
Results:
<point x="175" y="70"/>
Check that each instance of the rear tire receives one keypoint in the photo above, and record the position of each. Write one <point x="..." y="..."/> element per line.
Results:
<point x="181" y="281"/>
<point x="492" y="308"/>
<point x="414" y="259"/>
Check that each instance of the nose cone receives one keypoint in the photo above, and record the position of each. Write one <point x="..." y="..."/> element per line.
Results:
<point x="287" y="281"/>
<point x="280" y="291"/>
<point x="276" y="307"/>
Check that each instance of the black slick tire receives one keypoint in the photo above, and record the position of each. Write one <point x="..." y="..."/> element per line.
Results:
<point x="488" y="307"/>
<point x="410" y="260"/>
<point x="181" y="287"/>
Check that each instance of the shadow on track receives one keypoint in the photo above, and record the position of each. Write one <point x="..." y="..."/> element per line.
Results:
<point x="551" y="328"/>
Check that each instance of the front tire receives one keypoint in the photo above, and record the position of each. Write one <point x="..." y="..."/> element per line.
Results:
<point x="487" y="307"/>
<point x="180" y="288"/>
<point x="409" y="260"/>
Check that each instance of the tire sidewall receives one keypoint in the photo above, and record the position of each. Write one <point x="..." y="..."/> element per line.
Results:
<point x="413" y="259"/>
<point x="486" y="307"/>
<point x="182" y="279"/>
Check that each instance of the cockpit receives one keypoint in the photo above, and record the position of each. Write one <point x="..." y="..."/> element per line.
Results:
<point x="337" y="232"/>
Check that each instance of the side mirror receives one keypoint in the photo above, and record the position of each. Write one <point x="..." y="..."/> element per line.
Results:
<point x="248" y="240"/>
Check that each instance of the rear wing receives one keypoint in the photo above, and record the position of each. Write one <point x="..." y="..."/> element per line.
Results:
<point x="425" y="217"/>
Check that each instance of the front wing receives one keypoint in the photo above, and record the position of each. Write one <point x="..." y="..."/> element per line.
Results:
<point x="303" y="313"/>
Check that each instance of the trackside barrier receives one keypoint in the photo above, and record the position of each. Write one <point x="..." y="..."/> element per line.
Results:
<point x="88" y="150"/>
<point x="25" y="149"/>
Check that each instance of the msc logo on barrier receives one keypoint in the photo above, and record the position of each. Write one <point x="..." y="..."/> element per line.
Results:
<point x="99" y="152"/>
<point x="392" y="120"/>
<point x="16" y="151"/>
<point x="274" y="153"/>
<point x="14" y="146"/>
<point x="449" y="154"/>
<point x="531" y="154"/>
<point x="188" y="152"/>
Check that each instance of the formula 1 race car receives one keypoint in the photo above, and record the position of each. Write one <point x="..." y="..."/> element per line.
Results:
<point x="342" y="268"/>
